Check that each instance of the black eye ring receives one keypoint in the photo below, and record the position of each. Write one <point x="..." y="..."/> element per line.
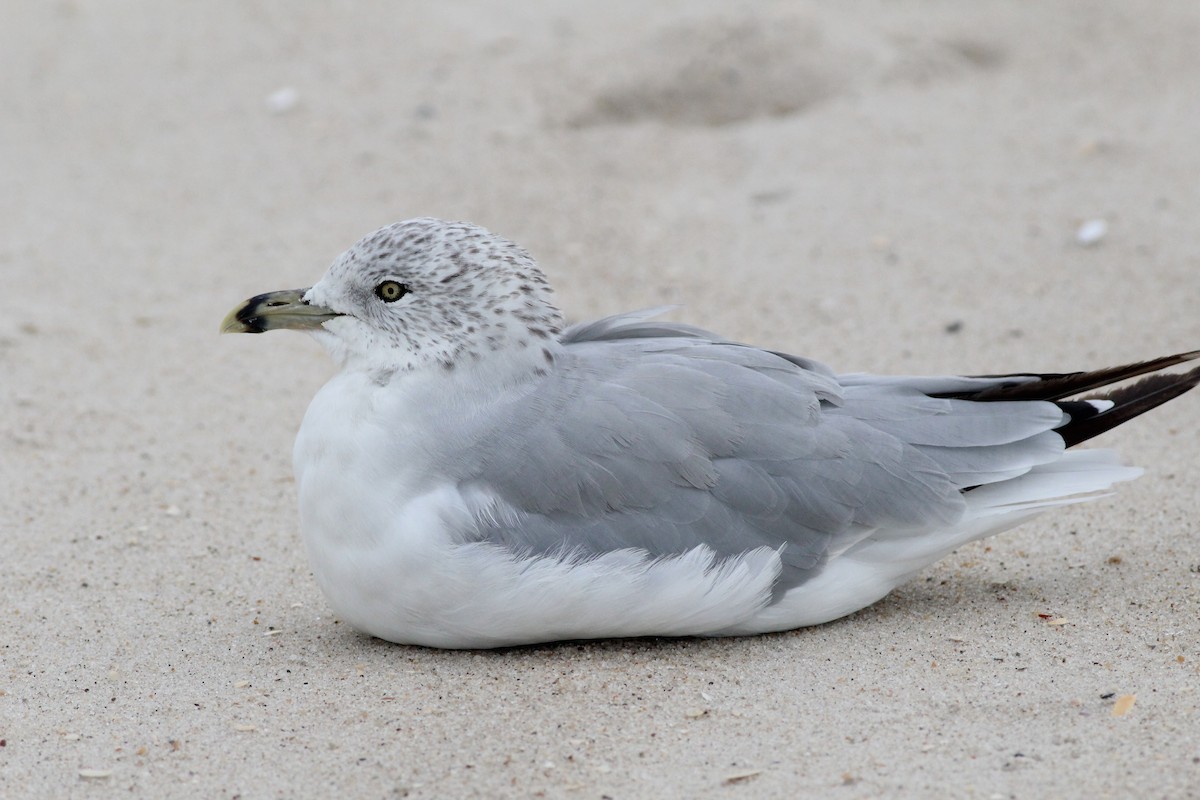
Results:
<point x="390" y="291"/>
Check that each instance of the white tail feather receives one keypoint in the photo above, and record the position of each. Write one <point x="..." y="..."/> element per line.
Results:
<point x="879" y="563"/>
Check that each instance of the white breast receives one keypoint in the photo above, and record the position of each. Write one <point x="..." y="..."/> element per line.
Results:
<point x="370" y="507"/>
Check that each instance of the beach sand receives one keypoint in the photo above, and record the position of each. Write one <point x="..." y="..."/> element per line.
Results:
<point x="887" y="187"/>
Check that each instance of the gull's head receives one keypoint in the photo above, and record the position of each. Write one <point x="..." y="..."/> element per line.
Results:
<point x="419" y="293"/>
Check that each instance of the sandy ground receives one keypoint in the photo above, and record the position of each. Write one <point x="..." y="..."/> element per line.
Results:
<point x="884" y="186"/>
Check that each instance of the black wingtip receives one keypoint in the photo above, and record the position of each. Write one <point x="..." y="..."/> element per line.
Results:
<point x="1128" y="402"/>
<point x="1088" y="419"/>
<point x="1056" y="386"/>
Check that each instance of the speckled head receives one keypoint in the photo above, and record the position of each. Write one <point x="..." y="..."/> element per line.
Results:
<point x="429" y="292"/>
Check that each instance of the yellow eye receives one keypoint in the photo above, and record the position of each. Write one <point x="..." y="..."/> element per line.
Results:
<point x="390" y="291"/>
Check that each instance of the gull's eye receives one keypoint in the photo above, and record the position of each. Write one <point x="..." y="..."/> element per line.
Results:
<point x="390" y="291"/>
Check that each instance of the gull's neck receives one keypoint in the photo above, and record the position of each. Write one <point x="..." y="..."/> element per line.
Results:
<point x="511" y="365"/>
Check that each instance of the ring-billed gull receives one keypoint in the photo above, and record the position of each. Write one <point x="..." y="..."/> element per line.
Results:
<point x="475" y="475"/>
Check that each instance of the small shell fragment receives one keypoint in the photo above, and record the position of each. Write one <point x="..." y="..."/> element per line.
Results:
<point x="283" y="99"/>
<point x="1123" y="705"/>
<point x="95" y="773"/>
<point x="1091" y="232"/>
<point x="742" y="777"/>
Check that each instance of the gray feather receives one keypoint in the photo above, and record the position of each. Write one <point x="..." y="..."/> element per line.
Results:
<point x="658" y="439"/>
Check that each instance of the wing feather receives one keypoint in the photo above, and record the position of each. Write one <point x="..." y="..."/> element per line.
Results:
<point x="657" y="439"/>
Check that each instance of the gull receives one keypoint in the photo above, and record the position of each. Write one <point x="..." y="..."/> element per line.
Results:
<point x="478" y="475"/>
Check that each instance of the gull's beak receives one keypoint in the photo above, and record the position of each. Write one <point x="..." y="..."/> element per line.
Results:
<point x="274" y="311"/>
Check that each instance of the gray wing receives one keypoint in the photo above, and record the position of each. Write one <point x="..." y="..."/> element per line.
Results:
<point x="663" y="438"/>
